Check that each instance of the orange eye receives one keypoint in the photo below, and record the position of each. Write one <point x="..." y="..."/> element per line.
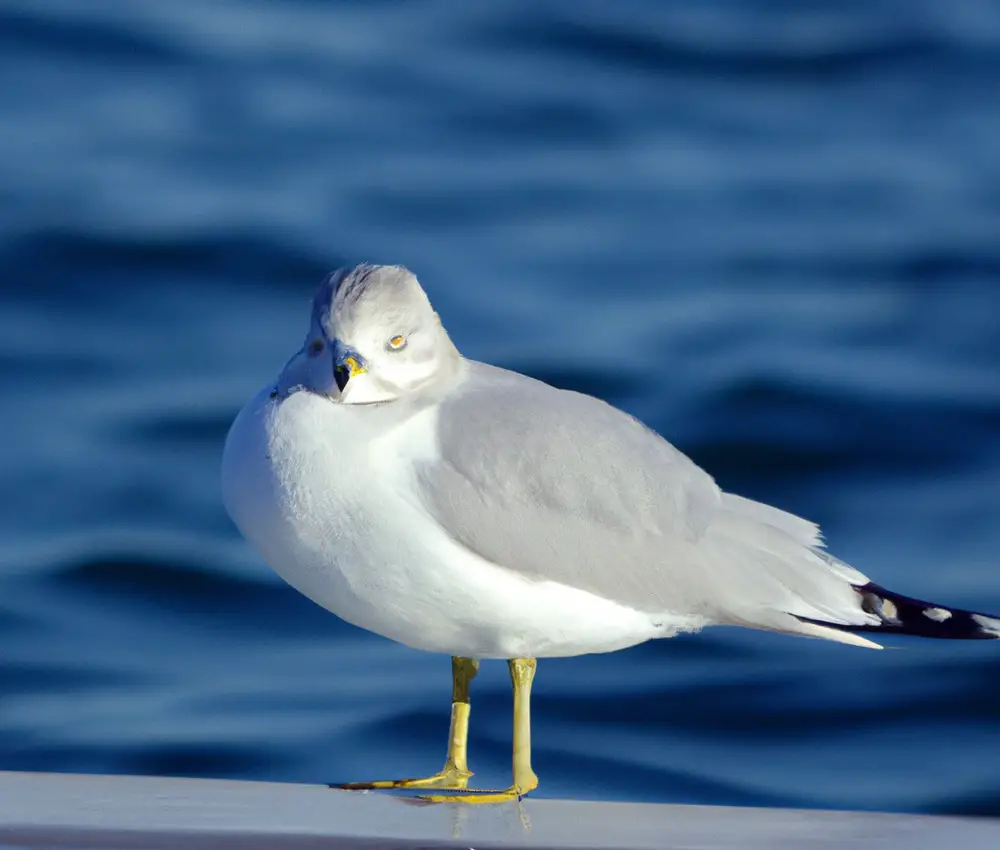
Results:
<point x="397" y="342"/>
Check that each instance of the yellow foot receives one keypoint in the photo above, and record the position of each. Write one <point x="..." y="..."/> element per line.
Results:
<point x="477" y="795"/>
<point x="449" y="779"/>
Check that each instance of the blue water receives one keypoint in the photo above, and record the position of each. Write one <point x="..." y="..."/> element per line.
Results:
<point x="769" y="229"/>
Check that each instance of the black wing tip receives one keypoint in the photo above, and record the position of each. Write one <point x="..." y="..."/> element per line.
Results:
<point x="904" y="615"/>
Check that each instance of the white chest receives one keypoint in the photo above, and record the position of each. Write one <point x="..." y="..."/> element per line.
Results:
<point x="318" y="495"/>
<point x="327" y="498"/>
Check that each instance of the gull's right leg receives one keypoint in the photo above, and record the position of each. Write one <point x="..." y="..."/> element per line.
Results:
<point x="455" y="773"/>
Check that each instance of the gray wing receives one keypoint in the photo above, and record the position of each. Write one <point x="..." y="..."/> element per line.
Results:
<point x="559" y="486"/>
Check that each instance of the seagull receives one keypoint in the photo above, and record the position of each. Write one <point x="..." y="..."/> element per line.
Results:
<point x="460" y="508"/>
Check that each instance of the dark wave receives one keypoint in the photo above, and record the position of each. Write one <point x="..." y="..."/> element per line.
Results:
<point x="202" y="428"/>
<point x="772" y="426"/>
<point x="201" y="759"/>
<point x="59" y="259"/>
<point x="107" y="41"/>
<point x="193" y="593"/>
<point x="920" y="268"/>
<point x="748" y="58"/>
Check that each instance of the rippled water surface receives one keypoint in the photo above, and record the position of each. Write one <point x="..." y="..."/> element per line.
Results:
<point x="769" y="229"/>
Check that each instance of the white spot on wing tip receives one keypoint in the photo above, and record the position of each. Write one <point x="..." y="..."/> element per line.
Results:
<point x="939" y="615"/>
<point x="990" y="625"/>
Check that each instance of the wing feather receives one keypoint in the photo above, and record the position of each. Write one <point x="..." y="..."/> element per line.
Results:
<point x="559" y="486"/>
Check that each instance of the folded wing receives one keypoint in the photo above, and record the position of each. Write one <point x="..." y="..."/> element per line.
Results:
<point x="558" y="486"/>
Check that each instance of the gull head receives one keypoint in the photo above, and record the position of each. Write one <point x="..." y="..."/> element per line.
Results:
<point x="373" y="337"/>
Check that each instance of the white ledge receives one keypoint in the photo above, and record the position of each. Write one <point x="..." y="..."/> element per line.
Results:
<point x="106" y="812"/>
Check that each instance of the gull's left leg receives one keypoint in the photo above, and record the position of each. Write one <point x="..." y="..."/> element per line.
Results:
<point x="455" y="773"/>
<point x="522" y="673"/>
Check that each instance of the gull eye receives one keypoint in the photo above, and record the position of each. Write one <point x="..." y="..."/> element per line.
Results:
<point x="315" y="347"/>
<point x="397" y="343"/>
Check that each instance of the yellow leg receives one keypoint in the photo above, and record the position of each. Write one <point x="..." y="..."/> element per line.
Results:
<point x="455" y="773"/>
<point x="522" y="672"/>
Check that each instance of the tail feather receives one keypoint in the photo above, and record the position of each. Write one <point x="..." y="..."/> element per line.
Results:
<point x="906" y="616"/>
<point x="807" y="628"/>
